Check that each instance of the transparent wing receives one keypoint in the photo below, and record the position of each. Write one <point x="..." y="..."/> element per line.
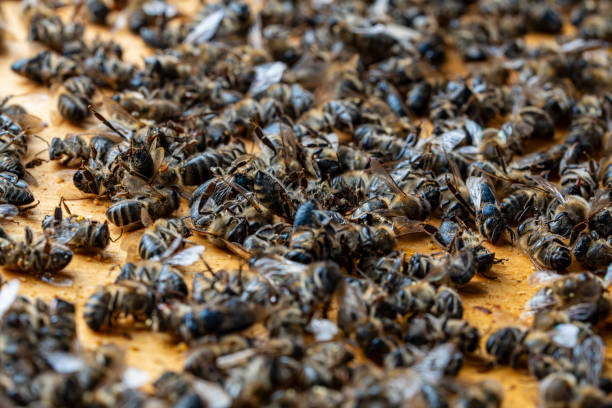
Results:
<point x="277" y="267"/>
<point x="267" y="75"/>
<point x="591" y="354"/>
<point x="64" y="363"/>
<point x="186" y="257"/>
<point x="8" y="211"/>
<point x="64" y="234"/>
<point x="474" y="187"/>
<point x="450" y="140"/>
<point x="549" y="187"/>
<point x="8" y="294"/>
<point x="205" y="29"/>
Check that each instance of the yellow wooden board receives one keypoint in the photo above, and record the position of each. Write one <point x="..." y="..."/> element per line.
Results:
<point x="488" y="303"/>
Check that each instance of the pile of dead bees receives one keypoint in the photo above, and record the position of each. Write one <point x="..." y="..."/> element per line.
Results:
<point x="308" y="137"/>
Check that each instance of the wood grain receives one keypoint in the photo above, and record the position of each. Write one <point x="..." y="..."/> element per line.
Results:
<point x="488" y="303"/>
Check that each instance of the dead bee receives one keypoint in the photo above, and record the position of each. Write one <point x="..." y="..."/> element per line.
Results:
<point x="143" y="210"/>
<point x="76" y="232"/>
<point x="191" y="321"/>
<point x="524" y="202"/>
<point x="166" y="281"/>
<point x="14" y="191"/>
<point x="580" y="179"/>
<point x="45" y="68"/>
<point x="593" y="251"/>
<point x="158" y="237"/>
<point x="125" y="303"/>
<point x="548" y="159"/>
<point x="38" y="258"/>
<point x="74" y="147"/>
<point x="108" y="69"/>
<point x="546" y="249"/>
<point x="144" y="106"/>
<point x="485" y="207"/>
<point x="580" y="296"/>
<point x="588" y="126"/>
<point x="52" y="32"/>
<point x="75" y="97"/>
<point x="198" y="168"/>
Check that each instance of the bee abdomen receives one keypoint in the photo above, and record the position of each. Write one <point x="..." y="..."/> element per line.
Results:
<point x="151" y="245"/>
<point x="72" y="107"/>
<point x="125" y="213"/>
<point x="95" y="311"/>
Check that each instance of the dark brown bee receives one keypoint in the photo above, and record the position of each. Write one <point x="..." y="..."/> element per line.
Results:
<point x="45" y="68"/>
<point x="190" y="321"/>
<point x="109" y="70"/>
<point x="548" y="159"/>
<point x="161" y="235"/>
<point x="489" y="218"/>
<point x="545" y="249"/>
<point x="124" y="303"/>
<point x="49" y="30"/>
<point x="75" y="97"/>
<point x="588" y="126"/>
<point x="143" y="210"/>
<point x="199" y="168"/>
<point x="76" y="232"/>
<point x="166" y="281"/>
<point x="593" y="251"/>
<point x="37" y="258"/>
<point x="143" y="106"/>
<point x="580" y="179"/>
<point x="74" y="147"/>
<point x="14" y="191"/>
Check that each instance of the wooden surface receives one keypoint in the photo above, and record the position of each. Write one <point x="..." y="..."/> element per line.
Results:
<point x="488" y="303"/>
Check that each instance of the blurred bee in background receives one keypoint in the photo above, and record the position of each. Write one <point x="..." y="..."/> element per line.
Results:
<point x="165" y="281"/>
<point x="128" y="302"/>
<point x="34" y="257"/>
<point x="46" y="68"/>
<point x="593" y="251"/>
<point x="76" y="232"/>
<point x="75" y="97"/>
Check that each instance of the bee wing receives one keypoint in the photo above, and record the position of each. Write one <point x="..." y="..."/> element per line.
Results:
<point x="591" y="353"/>
<point x="542" y="299"/>
<point x="186" y="257"/>
<point x="277" y="267"/>
<point x="64" y="363"/>
<point x="133" y="377"/>
<point x="135" y="185"/>
<point x="474" y="189"/>
<point x="549" y="187"/>
<point x="64" y="234"/>
<point x="29" y="123"/>
<point x="8" y="211"/>
<point x="600" y="200"/>
<point x="450" y="140"/>
<point x="115" y="110"/>
<point x="404" y="226"/>
<point x="8" y="294"/>
<point x="607" y="279"/>
<point x="267" y="75"/>
<point x="386" y="177"/>
<point x="212" y="394"/>
<point x="206" y="29"/>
